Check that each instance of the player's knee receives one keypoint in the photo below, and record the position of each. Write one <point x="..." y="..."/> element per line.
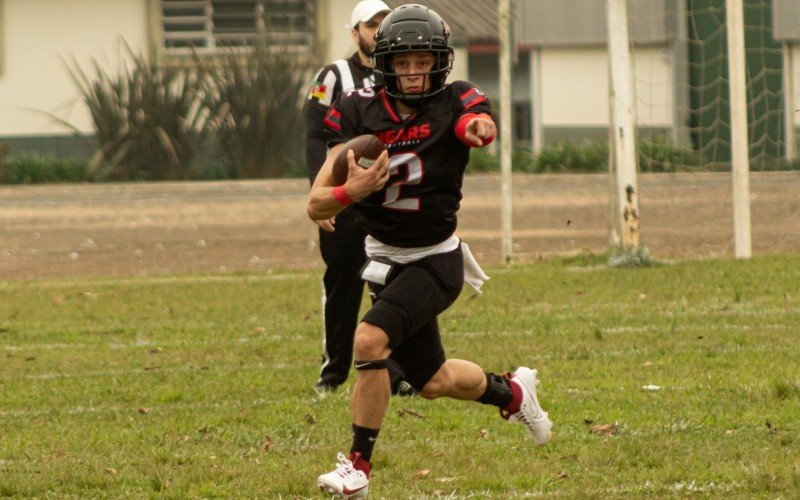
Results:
<point x="450" y="381"/>
<point x="370" y="342"/>
<point x="433" y="389"/>
<point x="430" y="391"/>
<point x="438" y="385"/>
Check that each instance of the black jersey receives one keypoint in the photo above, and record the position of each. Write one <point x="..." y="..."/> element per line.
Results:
<point x="340" y="76"/>
<point x="417" y="206"/>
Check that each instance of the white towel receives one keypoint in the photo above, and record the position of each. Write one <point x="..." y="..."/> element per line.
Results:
<point x="473" y="274"/>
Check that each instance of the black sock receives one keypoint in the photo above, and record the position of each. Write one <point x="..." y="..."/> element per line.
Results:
<point x="498" y="391"/>
<point x="364" y="440"/>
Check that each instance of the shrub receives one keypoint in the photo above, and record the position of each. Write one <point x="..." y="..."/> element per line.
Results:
<point x="260" y="97"/>
<point x="523" y="161"/>
<point x="150" y="120"/>
<point x="658" y="154"/>
<point x="563" y="156"/>
<point x="33" y="168"/>
<point x="653" y="155"/>
<point x="5" y="152"/>
<point x="480" y="160"/>
<point x="773" y="164"/>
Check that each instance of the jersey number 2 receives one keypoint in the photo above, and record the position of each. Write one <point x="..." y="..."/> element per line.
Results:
<point x="412" y="164"/>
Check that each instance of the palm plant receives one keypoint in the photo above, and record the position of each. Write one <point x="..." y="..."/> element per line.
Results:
<point x="261" y="94"/>
<point x="150" y="120"/>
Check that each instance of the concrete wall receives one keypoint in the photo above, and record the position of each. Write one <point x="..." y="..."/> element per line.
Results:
<point x="35" y="39"/>
<point x="336" y="26"/>
<point x="786" y="20"/>
<point x="575" y="87"/>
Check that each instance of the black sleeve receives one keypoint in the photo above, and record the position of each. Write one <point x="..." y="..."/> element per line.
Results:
<point x="316" y="147"/>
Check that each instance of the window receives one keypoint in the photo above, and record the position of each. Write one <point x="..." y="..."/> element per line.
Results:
<point x="208" y="24"/>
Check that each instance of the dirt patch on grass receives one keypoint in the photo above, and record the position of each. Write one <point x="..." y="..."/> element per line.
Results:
<point x="212" y="227"/>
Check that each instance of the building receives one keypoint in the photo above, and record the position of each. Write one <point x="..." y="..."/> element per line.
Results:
<point x="560" y="69"/>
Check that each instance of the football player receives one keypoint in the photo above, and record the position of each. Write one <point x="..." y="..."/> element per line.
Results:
<point x="407" y="202"/>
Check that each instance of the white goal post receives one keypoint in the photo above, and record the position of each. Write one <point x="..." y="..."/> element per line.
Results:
<point x="623" y="106"/>
<point x="740" y="155"/>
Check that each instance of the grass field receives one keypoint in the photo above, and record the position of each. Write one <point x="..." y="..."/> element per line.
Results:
<point x="201" y="387"/>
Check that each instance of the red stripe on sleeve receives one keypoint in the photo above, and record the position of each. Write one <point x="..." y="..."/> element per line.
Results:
<point x="333" y="120"/>
<point x="472" y="97"/>
<point x="478" y="100"/>
<point x="466" y="94"/>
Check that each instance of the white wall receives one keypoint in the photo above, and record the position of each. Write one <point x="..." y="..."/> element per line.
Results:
<point x="37" y="35"/>
<point x="575" y="87"/>
<point x="340" y="43"/>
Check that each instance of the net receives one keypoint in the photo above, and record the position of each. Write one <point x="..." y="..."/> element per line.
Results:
<point x="683" y="102"/>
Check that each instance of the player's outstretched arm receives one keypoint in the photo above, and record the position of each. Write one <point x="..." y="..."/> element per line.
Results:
<point x="481" y="130"/>
<point x="476" y="130"/>
<point x="325" y="200"/>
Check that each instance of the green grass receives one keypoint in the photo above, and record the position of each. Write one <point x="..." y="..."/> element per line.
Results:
<point x="173" y="386"/>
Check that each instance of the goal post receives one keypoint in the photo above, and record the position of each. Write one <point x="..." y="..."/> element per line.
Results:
<point x="504" y="17"/>
<point x="740" y="155"/>
<point x="712" y="90"/>
<point x="623" y="147"/>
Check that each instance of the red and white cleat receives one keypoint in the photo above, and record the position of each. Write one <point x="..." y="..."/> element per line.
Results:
<point x="345" y="481"/>
<point x="530" y="413"/>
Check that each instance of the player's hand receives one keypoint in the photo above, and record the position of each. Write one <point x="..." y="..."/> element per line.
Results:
<point x="327" y="224"/>
<point x="480" y="129"/>
<point x="361" y="182"/>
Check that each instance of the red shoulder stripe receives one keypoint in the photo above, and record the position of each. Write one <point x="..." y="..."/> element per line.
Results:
<point x="472" y="97"/>
<point x="333" y="119"/>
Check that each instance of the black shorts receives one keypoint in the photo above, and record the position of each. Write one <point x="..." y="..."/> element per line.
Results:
<point x="406" y="308"/>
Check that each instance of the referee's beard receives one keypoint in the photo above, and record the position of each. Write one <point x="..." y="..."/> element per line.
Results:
<point x="366" y="47"/>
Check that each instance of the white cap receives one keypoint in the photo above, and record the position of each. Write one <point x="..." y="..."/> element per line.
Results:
<point x="366" y="10"/>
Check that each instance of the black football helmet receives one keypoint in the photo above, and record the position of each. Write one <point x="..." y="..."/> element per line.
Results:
<point x="413" y="28"/>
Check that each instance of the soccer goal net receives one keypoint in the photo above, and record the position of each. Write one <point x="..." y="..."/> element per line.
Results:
<point x="683" y="101"/>
<point x="685" y="112"/>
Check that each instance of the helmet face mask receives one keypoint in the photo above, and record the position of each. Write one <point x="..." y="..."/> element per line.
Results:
<point x="413" y="29"/>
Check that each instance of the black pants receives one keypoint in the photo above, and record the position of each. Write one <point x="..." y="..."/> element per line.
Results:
<point x="407" y="308"/>
<point x="343" y="253"/>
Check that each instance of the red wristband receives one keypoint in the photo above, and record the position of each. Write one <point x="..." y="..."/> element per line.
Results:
<point x="341" y="196"/>
<point x="461" y="129"/>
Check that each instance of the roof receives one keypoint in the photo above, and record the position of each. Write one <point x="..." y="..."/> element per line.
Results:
<point x="470" y="21"/>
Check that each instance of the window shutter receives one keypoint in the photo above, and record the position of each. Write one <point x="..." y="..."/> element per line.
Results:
<point x="208" y="24"/>
<point x="235" y="21"/>
<point x="187" y="23"/>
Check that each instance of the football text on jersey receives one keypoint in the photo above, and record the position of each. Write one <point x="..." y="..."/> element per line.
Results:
<point x="406" y="135"/>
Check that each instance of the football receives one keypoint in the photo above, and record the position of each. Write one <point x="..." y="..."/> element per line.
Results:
<point x="366" y="149"/>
